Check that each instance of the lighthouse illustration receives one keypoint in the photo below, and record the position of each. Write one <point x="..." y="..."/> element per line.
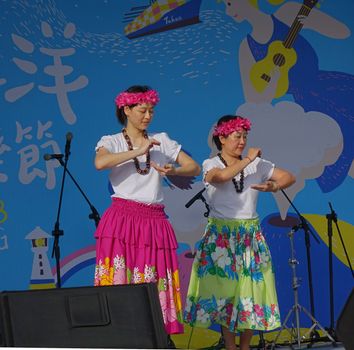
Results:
<point x="41" y="277"/>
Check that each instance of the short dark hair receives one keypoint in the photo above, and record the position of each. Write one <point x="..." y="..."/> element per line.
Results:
<point x="223" y="119"/>
<point x="121" y="116"/>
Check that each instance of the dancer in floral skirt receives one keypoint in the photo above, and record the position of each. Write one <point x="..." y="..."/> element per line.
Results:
<point x="135" y="241"/>
<point x="232" y="280"/>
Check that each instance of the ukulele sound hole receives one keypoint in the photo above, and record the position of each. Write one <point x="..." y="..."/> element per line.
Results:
<point x="279" y="60"/>
<point x="266" y="77"/>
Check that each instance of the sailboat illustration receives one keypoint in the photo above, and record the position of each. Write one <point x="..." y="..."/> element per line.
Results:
<point x="161" y="15"/>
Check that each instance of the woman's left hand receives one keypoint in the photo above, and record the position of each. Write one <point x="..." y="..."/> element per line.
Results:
<point x="167" y="169"/>
<point x="268" y="186"/>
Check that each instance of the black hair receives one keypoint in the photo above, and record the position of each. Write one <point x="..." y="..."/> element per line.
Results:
<point x="223" y="119"/>
<point x="121" y="116"/>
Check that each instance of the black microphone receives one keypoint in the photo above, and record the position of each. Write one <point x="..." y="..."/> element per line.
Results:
<point x="53" y="156"/>
<point x="333" y="213"/>
<point x="297" y="227"/>
<point x="197" y="196"/>
<point x="69" y="137"/>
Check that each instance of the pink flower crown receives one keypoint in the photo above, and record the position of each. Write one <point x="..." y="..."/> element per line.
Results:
<point x="134" y="98"/>
<point x="227" y="128"/>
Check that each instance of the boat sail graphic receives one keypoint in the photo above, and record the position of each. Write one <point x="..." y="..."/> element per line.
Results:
<point x="161" y="15"/>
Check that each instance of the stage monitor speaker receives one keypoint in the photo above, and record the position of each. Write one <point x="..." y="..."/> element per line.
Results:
<point x="345" y="323"/>
<point x="122" y="316"/>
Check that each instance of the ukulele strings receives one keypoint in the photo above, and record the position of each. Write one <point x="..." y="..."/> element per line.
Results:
<point x="296" y="27"/>
<point x="294" y="30"/>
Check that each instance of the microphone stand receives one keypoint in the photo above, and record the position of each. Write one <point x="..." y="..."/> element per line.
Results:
<point x="297" y="308"/>
<point x="94" y="213"/>
<point x="330" y="218"/>
<point x="307" y="230"/>
<point x="262" y="342"/>
<point x="57" y="232"/>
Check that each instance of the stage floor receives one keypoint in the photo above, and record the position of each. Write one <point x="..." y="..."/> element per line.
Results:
<point x="327" y="346"/>
<point x="322" y="346"/>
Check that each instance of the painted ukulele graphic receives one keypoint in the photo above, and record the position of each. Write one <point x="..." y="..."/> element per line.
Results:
<point x="280" y="54"/>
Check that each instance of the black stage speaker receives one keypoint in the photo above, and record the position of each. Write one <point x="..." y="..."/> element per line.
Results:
<point x="122" y="316"/>
<point x="345" y="323"/>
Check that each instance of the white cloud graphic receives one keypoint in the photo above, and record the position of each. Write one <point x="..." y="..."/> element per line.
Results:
<point x="188" y="223"/>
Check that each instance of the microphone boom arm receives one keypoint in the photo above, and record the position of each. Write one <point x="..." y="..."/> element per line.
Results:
<point x="94" y="215"/>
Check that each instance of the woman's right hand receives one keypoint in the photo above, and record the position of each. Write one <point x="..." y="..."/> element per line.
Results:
<point x="106" y="160"/>
<point x="253" y="153"/>
<point x="146" y="145"/>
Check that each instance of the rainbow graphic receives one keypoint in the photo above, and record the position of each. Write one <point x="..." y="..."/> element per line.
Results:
<point x="75" y="262"/>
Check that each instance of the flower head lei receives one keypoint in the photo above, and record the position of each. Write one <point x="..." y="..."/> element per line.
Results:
<point x="133" y="98"/>
<point x="228" y="127"/>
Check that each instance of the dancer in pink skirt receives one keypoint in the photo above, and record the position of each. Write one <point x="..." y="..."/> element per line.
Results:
<point x="135" y="241"/>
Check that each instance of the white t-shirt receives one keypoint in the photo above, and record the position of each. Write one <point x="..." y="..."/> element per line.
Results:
<point x="224" y="201"/>
<point x="125" y="180"/>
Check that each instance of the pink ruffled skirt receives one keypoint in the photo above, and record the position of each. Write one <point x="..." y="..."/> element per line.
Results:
<point x="136" y="244"/>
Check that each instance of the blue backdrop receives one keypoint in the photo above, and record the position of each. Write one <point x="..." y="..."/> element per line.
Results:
<point x="62" y="64"/>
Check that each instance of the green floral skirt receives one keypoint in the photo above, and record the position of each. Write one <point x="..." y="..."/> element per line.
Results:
<point x="232" y="279"/>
